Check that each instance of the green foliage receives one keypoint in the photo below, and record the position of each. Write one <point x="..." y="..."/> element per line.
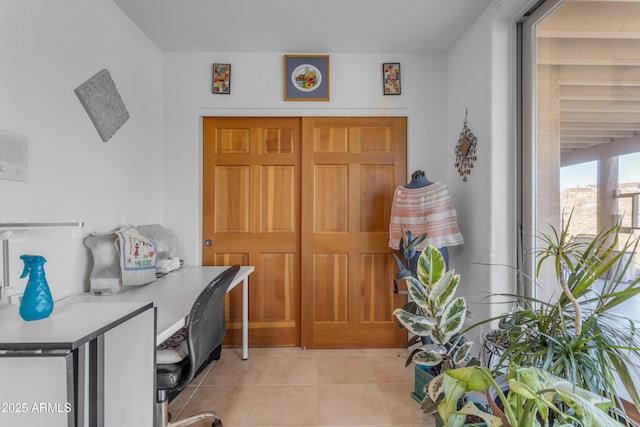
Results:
<point x="579" y="337"/>
<point x="436" y="313"/>
<point x="533" y="396"/>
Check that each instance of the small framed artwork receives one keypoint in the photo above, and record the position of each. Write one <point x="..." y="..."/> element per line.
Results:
<point x="391" y="78"/>
<point x="222" y="78"/>
<point x="306" y="77"/>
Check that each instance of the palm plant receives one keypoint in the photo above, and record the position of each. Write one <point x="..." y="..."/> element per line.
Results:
<point x="579" y="337"/>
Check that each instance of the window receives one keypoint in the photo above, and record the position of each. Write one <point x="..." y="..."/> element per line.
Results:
<point x="580" y="96"/>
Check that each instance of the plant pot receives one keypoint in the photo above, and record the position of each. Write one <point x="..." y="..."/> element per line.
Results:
<point x="422" y="378"/>
<point x="495" y="345"/>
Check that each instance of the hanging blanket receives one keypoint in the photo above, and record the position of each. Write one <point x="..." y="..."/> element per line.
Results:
<point x="425" y="210"/>
<point x="137" y="257"/>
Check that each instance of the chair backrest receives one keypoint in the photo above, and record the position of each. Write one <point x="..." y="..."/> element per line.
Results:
<point x="206" y="325"/>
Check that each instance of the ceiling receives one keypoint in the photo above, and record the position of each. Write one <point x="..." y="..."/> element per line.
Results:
<point x="590" y="47"/>
<point x="590" y="50"/>
<point x="299" y="26"/>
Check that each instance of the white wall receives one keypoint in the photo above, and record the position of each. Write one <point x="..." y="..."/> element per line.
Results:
<point x="150" y="171"/>
<point x="48" y="49"/>
<point x="482" y="79"/>
<point x="256" y="90"/>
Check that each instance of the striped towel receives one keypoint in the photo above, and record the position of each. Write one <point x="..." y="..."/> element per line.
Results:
<point x="425" y="210"/>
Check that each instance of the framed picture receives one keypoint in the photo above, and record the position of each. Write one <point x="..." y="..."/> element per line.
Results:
<point x="306" y="77"/>
<point x="391" y="78"/>
<point x="222" y="78"/>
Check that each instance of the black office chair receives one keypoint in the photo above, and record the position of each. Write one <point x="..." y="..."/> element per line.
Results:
<point x="205" y="330"/>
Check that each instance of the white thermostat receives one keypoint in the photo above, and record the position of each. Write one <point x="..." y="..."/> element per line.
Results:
<point x="14" y="156"/>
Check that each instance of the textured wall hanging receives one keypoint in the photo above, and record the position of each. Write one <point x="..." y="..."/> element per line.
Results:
<point x="101" y="100"/>
<point x="465" y="150"/>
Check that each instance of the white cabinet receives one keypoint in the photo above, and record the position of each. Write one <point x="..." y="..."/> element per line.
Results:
<point x="88" y="364"/>
<point x="35" y="391"/>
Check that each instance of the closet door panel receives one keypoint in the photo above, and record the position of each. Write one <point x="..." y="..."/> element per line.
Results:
<point x="375" y="206"/>
<point x="251" y="216"/>
<point x="331" y="196"/>
<point x="349" y="179"/>
<point x="330" y="292"/>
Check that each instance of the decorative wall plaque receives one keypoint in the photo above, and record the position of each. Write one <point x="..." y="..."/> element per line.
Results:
<point x="465" y="150"/>
<point x="101" y="100"/>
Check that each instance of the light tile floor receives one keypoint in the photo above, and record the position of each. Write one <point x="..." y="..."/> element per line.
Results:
<point x="295" y="387"/>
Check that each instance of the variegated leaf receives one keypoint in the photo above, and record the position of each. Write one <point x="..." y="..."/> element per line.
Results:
<point x="427" y="358"/>
<point x="431" y="266"/>
<point x="443" y="291"/>
<point x="453" y="318"/>
<point x="428" y="406"/>
<point x="462" y="352"/>
<point x="473" y="378"/>
<point x="435" y="387"/>
<point x="418" y="292"/>
<point x="435" y="348"/>
<point x="417" y="325"/>
<point x="470" y="409"/>
<point x="455" y="420"/>
<point x="522" y="389"/>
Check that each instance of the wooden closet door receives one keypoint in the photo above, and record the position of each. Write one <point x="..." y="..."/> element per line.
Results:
<point x="251" y="216"/>
<point x="351" y="167"/>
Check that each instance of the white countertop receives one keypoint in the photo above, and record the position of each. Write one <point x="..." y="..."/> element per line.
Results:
<point x="71" y="324"/>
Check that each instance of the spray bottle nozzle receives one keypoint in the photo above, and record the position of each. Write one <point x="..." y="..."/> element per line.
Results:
<point x="31" y="261"/>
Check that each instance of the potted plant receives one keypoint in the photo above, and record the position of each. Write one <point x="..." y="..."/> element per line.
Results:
<point x="532" y="397"/>
<point x="578" y="337"/>
<point x="434" y="315"/>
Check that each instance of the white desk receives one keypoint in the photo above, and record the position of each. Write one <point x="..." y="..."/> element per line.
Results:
<point x="111" y="336"/>
<point x="173" y="296"/>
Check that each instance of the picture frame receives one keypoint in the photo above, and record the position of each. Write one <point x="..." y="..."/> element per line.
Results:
<point x="391" y="78"/>
<point x="221" y="80"/>
<point x="306" y="77"/>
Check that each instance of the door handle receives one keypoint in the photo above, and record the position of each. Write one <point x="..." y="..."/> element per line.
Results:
<point x="208" y="243"/>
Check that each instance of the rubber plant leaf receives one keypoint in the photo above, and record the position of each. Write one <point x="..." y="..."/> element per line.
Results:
<point x="427" y="358"/>
<point x="435" y="387"/>
<point x="462" y="352"/>
<point x="444" y="290"/>
<point x="431" y="266"/>
<point x="435" y="348"/>
<point x="418" y="293"/>
<point x="417" y="325"/>
<point x="453" y="318"/>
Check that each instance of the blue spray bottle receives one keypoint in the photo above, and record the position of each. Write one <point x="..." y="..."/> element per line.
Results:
<point x="37" y="302"/>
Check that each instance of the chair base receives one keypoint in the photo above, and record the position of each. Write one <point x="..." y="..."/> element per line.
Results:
<point x="215" y="355"/>
<point x="164" y="418"/>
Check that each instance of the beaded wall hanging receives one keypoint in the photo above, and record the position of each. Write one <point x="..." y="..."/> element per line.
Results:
<point x="465" y="150"/>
